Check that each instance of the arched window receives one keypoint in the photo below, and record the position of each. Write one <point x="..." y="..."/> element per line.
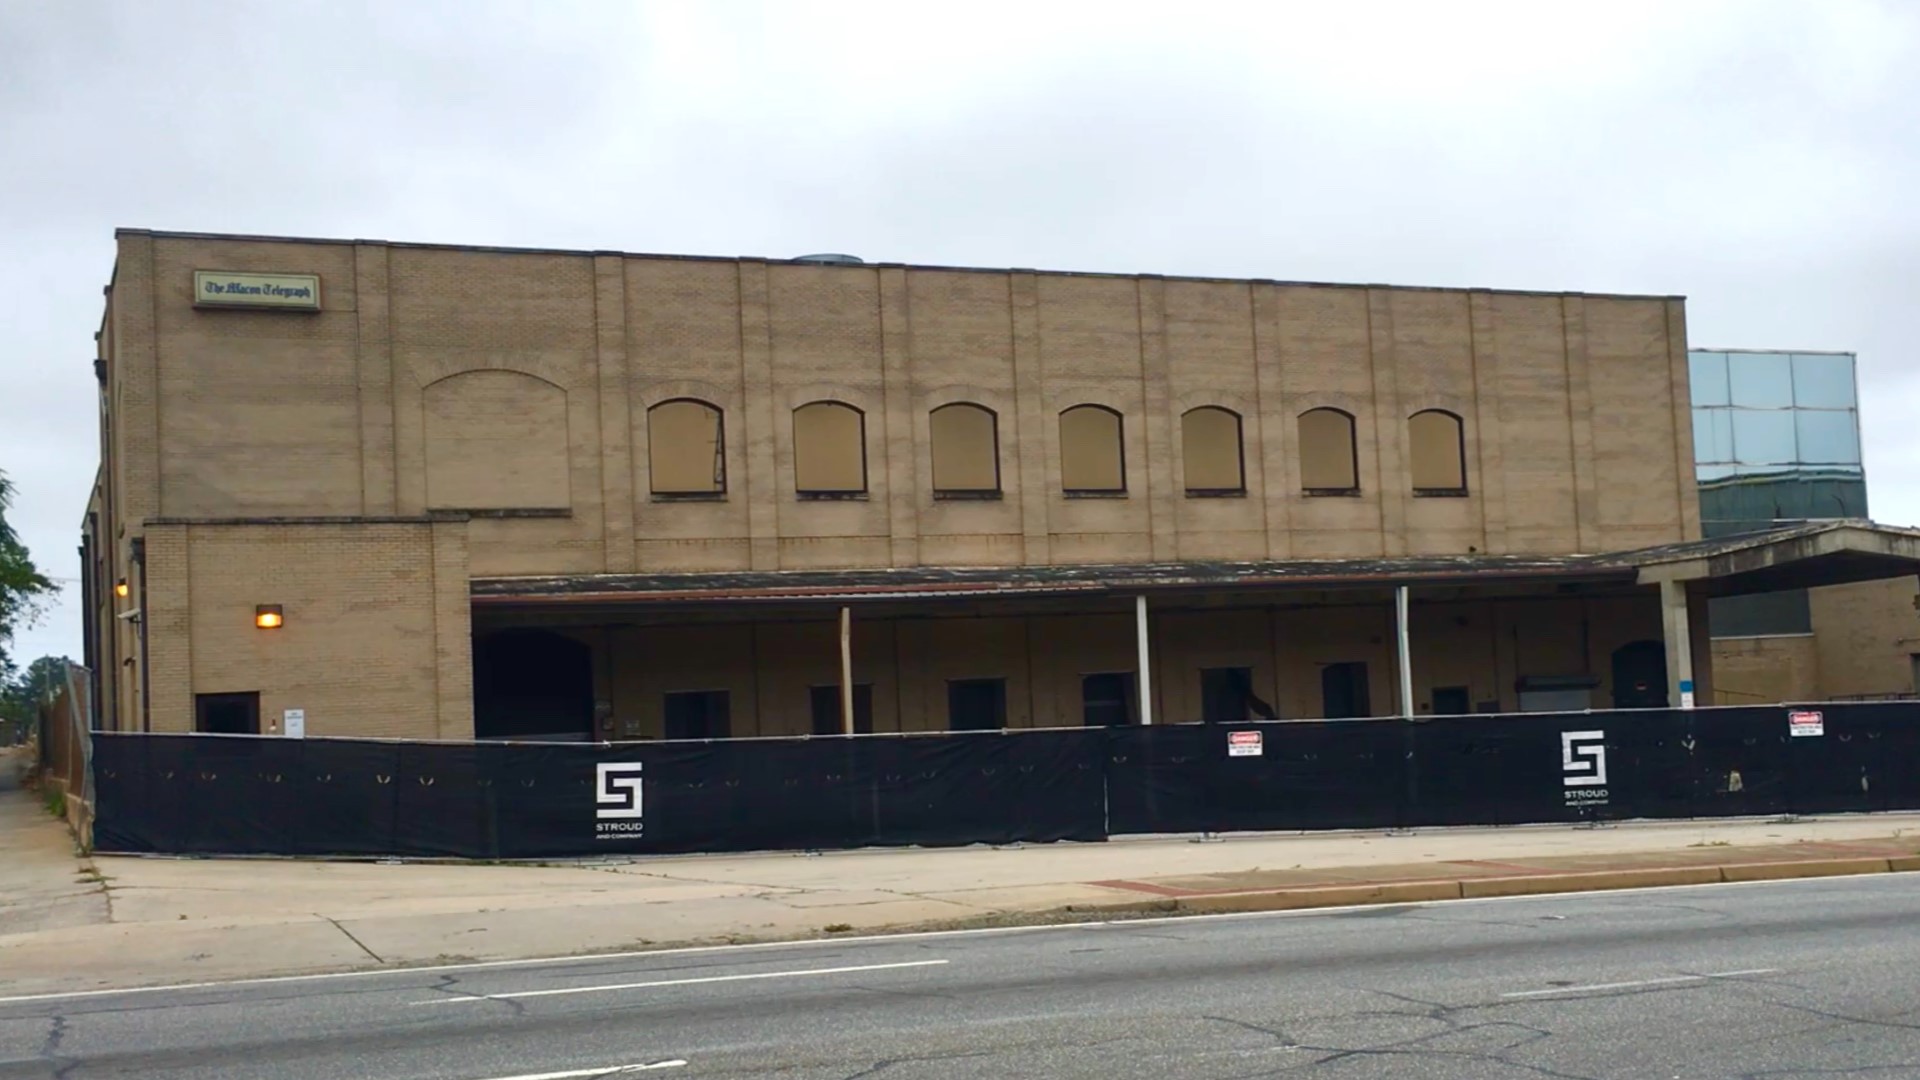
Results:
<point x="966" y="450"/>
<point x="1210" y="447"/>
<point x="1092" y="461"/>
<point x="1437" y="453"/>
<point x="1329" y="464"/>
<point x="829" y="449"/>
<point x="686" y="448"/>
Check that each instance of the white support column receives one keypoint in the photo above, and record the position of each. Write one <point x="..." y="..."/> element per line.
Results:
<point x="846" y="670"/>
<point x="1404" y="633"/>
<point x="1143" y="660"/>
<point x="1679" y="638"/>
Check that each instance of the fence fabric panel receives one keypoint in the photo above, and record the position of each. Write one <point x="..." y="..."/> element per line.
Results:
<point x="203" y="794"/>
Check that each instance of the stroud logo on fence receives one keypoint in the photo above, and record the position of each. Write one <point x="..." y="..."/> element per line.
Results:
<point x="617" y="788"/>
<point x="1583" y="767"/>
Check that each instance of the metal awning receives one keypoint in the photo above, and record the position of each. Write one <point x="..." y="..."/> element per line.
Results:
<point x="1825" y="553"/>
<point x="1088" y="581"/>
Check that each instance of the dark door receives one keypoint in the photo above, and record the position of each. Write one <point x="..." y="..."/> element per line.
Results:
<point x="976" y="704"/>
<point x="698" y="714"/>
<point x="1451" y="701"/>
<point x="227" y="714"/>
<point x="825" y="701"/>
<point x="1640" y="675"/>
<point x="1343" y="690"/>
<point x="1227" y="697"/>
<point x="1106" y="699"/>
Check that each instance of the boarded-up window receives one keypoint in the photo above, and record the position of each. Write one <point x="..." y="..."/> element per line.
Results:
<point x="966" y="450"/>
<point x="496" y="440"/>
<point x="1210" y="445"/>
<point x="686" y="448"/>
<point x="1091" y="458"/>
<point x="1437" y="451"/>
<point x="1327" y="452"/>
<point x="829" y="449"/>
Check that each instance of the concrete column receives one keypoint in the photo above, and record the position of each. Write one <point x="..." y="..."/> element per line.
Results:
<point x="1675" y="628"/>
<point x="1143" y="660"/>
<point x="846" y="670"/>
<point x="1403" y="632"/>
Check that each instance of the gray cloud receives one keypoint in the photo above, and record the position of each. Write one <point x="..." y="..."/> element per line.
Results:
<point x="1758" y="158"/>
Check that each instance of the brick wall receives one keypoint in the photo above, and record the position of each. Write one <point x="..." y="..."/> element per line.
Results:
<point x="372" y="644"/>
<point x="519" y="382"/>
<point x="1867" y="635"/>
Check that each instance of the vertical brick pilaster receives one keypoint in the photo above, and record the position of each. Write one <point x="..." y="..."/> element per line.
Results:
<point x="1390" y="478"/>
<point x="1029" y="438"/>
<point x="137" y="378"/>
<point x="167" y="616"/>
<point x="756" y="378"/>
<point x="1586" y="493"/>
<point x="899" y="420"/>
<point x="1161" y="486"/>
<point x="1277" y="484"/>
<point x="452" y="631"/>
<point x="616" y="419"/>
<point x="1681" y="391"/>
<point x="1483" y="344"/>
<point x="374" y="361"/>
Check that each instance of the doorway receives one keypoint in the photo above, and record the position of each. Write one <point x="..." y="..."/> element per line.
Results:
<point x="1451" y="701"/>
<point x="1344" y="693"/>
<point x="227" y="714"/>
<point x="698" y="714"/>
<point x="532" y="684"/>
<point x="1640" y="675"/>
<point x="976" y="704"/>
<point x="824" y="703"/>
<point x="1227" y="697"/>
<point x="1107" y="699"/>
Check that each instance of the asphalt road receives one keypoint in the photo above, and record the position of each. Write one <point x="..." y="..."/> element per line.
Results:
<point x="1803" y="979"/>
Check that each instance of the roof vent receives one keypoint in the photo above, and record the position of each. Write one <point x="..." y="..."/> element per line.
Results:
<point x="832" y="259"/>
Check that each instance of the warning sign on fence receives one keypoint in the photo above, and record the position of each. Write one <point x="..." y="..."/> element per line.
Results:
<point x="1243" y="744"/>
<point x="1806" y="723"/>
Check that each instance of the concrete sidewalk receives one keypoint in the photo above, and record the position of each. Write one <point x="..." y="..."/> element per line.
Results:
<point x="162" y="921"/>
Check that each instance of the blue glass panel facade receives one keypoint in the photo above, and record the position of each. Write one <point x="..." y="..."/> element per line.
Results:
<point x="1776" y="440"/>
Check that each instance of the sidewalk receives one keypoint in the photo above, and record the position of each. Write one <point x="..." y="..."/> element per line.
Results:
<point x="166" y="921"/>
<point x="43" y="884"/>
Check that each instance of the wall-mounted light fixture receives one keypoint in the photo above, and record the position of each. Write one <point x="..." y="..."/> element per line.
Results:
<point x="120" y="588"/>
<point x="268" y="617"/>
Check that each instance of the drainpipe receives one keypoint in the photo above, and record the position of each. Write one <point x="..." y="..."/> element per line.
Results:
<point x="140" y="628"/>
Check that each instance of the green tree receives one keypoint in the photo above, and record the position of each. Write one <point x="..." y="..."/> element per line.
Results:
<point x="23" y="588"/>
<point x="22" y="696"/>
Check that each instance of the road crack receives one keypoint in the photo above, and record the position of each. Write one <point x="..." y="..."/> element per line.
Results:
<point x="363" y="945"/>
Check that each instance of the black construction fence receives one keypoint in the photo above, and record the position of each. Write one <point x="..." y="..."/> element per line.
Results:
<point x="233" y="795"/>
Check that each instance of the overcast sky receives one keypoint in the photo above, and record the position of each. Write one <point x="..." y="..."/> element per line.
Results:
<point x="1760" y="158"/>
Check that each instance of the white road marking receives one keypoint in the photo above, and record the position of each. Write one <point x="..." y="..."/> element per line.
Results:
<point x="923" y="935"/>
<point x="1671" y="980"/>
<point x="518" y="994"/>
<point x="605" y="1070"/>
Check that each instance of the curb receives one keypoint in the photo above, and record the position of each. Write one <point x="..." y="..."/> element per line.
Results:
<point x="1420" y="892"/>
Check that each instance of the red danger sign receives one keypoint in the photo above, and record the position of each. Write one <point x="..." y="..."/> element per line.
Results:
<point x="1243" y="744"/>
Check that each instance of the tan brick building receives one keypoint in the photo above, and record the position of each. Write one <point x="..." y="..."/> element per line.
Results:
<point x="600" y="495"/>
